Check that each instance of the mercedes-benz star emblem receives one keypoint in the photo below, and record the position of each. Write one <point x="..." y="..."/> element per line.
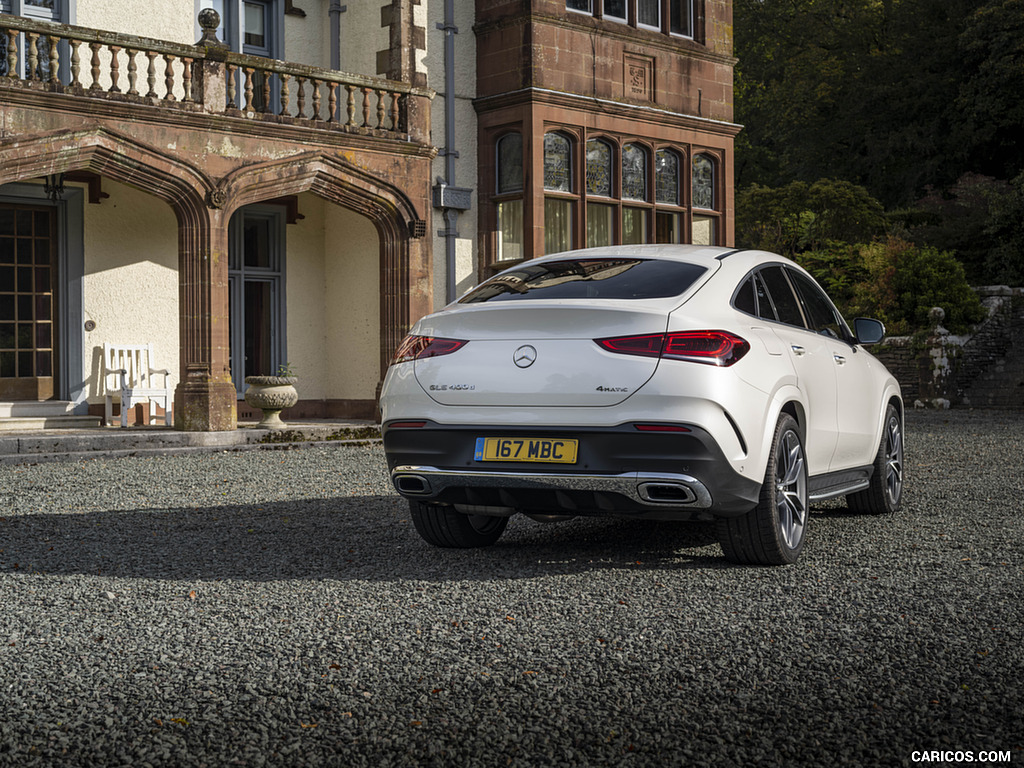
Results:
<point x="525" y="356"/>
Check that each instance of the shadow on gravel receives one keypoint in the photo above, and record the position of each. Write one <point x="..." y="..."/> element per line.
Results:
<point x="367" y="538"/>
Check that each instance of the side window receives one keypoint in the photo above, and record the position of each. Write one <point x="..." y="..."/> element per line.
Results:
<point x="787" y="307"/>
<point x="744" y="300"/>
<point x="821" y="315"/>
<point x="765" y="310"/>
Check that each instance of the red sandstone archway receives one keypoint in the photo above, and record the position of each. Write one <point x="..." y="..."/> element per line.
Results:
<point x="205" y="397"/>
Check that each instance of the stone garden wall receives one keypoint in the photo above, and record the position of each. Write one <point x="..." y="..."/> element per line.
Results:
<point x="984" y="369"/>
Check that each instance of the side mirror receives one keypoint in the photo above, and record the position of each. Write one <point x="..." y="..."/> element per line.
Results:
<point x="868" y="331"/>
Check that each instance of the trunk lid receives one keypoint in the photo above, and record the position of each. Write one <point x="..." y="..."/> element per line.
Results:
<point x="539" y="354"/>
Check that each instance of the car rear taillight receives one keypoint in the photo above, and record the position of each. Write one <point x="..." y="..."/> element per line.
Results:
<point x="710" y="347"/>
<point x="419" y="347"/>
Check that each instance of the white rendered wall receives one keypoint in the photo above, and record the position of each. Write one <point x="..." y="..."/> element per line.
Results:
<point x="130" y="287"/>
<point x="304" y="298"/>
<point x="333" y="306"/>
<point x="352" y="305"/>
<point x="466" y="141"/>
<point x="362" y="36"/>
<point x="174" y="21"/>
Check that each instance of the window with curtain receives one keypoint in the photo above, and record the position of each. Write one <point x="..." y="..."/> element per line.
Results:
<point x="634" y="187"/>
<point x="558" y="211"/>
<point x="648" y="13"/>
<point x="702" y="190"/>
<point x="509" y="163"/>
<point x="667" y="197"/>
<point x="600" y="216"/>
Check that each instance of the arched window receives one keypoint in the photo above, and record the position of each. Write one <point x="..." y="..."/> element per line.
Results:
<point x="558" y="208"/>
<point x="666" y="177"/>
<point x="557" y="163"/>
<point x="600" y="216"/>
<point x="509" y="187"/>
<point x="702" y="191"/>
<point x="703" y="182"/>
<point x="668" y="220"/>
<point x="634" y="187"/>
<point x="510" y="163"/>
<point x="599" y="168"/>
<point x="634" y="172"/>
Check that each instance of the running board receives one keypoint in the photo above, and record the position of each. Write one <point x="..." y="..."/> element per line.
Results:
<point x="838" y="483"/>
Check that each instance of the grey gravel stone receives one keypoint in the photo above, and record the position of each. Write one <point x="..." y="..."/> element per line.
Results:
<point x="278" y="609"/>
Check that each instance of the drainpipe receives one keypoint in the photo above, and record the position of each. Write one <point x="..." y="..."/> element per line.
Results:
<point x="447" y="197"/>
<point x="335" y="11"/>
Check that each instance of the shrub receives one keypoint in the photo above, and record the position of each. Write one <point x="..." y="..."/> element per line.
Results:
<point x="897" y="282"/>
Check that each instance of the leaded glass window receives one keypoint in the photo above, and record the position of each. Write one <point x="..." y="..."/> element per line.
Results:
<point x="599" y="168"/>
<point x="703" y="182"/>
<point x="510" y="163"/>
<point x="666" y="177"/>
<point x="557" y="163"/>
<point x="634" y="172"/>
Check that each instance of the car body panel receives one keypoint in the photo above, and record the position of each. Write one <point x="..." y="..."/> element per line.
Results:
<point x="836" y="391"/>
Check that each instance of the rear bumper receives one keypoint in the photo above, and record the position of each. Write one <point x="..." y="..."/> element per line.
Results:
<point x="619" y="471"/>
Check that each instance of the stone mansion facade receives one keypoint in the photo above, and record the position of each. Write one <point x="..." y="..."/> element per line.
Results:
<point x="246" y="184"/>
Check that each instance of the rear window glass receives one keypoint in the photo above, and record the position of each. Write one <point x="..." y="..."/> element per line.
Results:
<point x="588" y="279"/>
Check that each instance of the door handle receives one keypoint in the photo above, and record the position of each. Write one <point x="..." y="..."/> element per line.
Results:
<point x="798" y="350"/>
<point x="839" y="359"/>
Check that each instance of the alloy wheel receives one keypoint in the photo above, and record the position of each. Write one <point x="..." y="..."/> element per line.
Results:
<point x="893" y="460"/>
<point x="791" y="489"/>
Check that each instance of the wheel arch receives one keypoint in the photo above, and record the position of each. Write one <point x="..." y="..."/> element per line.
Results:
<point x="788" y="399"/>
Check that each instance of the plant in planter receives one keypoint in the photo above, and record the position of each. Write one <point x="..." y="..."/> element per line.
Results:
<point x="272" y="394"/>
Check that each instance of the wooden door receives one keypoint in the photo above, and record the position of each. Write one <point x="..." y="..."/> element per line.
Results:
<point x="28" y="254"/>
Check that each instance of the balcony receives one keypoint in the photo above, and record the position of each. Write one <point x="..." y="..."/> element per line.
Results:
<point x="116" y="69"/>
<point x="211" y="133"/>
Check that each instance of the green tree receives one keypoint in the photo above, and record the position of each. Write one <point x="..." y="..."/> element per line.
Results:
<point x="799" y="216"/>
<point x="991" y="51"/>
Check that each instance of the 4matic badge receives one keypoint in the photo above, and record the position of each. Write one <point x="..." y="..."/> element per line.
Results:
<point x="612" y="389"/>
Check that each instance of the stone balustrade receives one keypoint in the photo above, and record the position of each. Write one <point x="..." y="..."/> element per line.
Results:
<point x="206" y="77"/>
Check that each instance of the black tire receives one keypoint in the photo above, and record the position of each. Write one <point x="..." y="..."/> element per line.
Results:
<point x="773" y="533"/>
<point x="883" y="494"/>
<point x="443" y="526"/>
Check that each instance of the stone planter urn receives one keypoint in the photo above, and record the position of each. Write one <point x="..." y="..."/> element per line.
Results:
<point x="271" y="394"/>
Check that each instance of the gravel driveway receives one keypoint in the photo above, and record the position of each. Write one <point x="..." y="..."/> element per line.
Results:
<point x="277" y="608"/>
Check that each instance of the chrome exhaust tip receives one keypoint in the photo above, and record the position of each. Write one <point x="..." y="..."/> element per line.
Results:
<point x="411" y="485"/>
<point x="666" y="493"/>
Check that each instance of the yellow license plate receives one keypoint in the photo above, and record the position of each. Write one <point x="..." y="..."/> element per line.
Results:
<point x="539" y="449"/>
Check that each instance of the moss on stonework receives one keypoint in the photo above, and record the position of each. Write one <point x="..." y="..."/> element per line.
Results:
<point x="298" y="436"/>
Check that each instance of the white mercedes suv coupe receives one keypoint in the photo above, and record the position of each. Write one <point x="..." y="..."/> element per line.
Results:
<point x="659" y="382"/>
